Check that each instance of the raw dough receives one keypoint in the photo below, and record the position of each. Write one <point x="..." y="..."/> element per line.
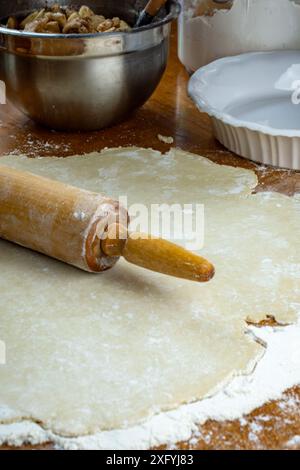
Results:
<point x="92" y="352"/>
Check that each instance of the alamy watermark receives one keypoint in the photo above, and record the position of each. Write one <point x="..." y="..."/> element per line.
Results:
<point x="181" y="223"/>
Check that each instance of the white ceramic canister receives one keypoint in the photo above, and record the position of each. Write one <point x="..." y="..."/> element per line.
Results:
<point x="243" y="26"/>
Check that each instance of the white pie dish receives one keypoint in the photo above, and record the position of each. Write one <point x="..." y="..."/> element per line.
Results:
<point x="250" y="99"/>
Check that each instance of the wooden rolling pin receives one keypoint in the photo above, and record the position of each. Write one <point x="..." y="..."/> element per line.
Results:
<point x="84" y="229"/>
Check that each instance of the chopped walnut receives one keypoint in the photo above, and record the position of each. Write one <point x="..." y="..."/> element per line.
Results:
<point x="69" y="12"/>
<point x="36" y="26"/>
<point x="116" y="22"/>
<point x="95" y="21"/>
<point x="32" y="17"/>
<point x="52" y="27"/>
<point x="12" y="23"/>
<point x="105" y="26"/>
<point x="73" y="16"/>
<point x="124" y="26"/>
<point x="76" y="26"/>
<point x="85" y="12"/>
<point x="56" y="8"/>
<point x="57" y="19"/>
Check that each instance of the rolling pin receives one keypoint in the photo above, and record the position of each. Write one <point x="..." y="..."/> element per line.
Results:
<point x="84" y="229"/>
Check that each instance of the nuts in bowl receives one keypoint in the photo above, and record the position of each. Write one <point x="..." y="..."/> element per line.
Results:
<point x="81" y="81"/>
<point x="66" y="20"/>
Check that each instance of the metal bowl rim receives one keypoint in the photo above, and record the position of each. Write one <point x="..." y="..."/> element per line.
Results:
<point x="174" y="13"/>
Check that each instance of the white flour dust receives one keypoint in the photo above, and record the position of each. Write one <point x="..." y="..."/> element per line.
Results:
<point x="278" y="370"/>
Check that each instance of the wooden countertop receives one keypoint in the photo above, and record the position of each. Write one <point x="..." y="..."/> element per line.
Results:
<point x="169" y="112"/>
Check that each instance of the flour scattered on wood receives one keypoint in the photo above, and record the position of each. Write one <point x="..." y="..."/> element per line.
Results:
<point x="277" y="371"/>
<point x="32" y="146"/>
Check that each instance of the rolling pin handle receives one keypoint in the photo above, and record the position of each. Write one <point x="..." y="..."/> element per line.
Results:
<point x="156" y="254"/>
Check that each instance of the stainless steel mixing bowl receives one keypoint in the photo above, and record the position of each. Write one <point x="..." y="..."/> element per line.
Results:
<point x="83" y="82"/>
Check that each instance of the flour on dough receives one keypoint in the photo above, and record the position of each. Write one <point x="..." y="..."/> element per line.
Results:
<point x="92" y="352"/>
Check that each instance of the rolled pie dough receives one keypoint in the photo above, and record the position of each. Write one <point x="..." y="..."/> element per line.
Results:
<point x="89" y="352"/>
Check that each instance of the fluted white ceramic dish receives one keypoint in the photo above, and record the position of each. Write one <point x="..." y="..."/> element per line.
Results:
<point x="254" y="102"/>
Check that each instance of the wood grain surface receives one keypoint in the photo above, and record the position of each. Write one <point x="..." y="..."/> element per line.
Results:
<point x="170" y="112"/>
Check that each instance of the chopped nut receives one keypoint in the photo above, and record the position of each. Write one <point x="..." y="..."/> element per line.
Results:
<point x="56" y="8"/>
<point x="73" y="16"/>
<point x="69" y="12"/>
<point x="124" y="26"/>
<point x="105" y="25"/>
<point x="85" y="12"/>
<point x="56" y="19"/>
<point x="60" y="18"/>
<point x="29" y="19"/>
<point x="111" y="30"/>
<point x="33" y="16"/>
<point x="94" y="21"/>
<point x="36" y="26"/>
<point x="52" y="27"/>
<point x="12" y="23"/>
<point x="116" y="22"/>
<point x="77" y="26"/>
